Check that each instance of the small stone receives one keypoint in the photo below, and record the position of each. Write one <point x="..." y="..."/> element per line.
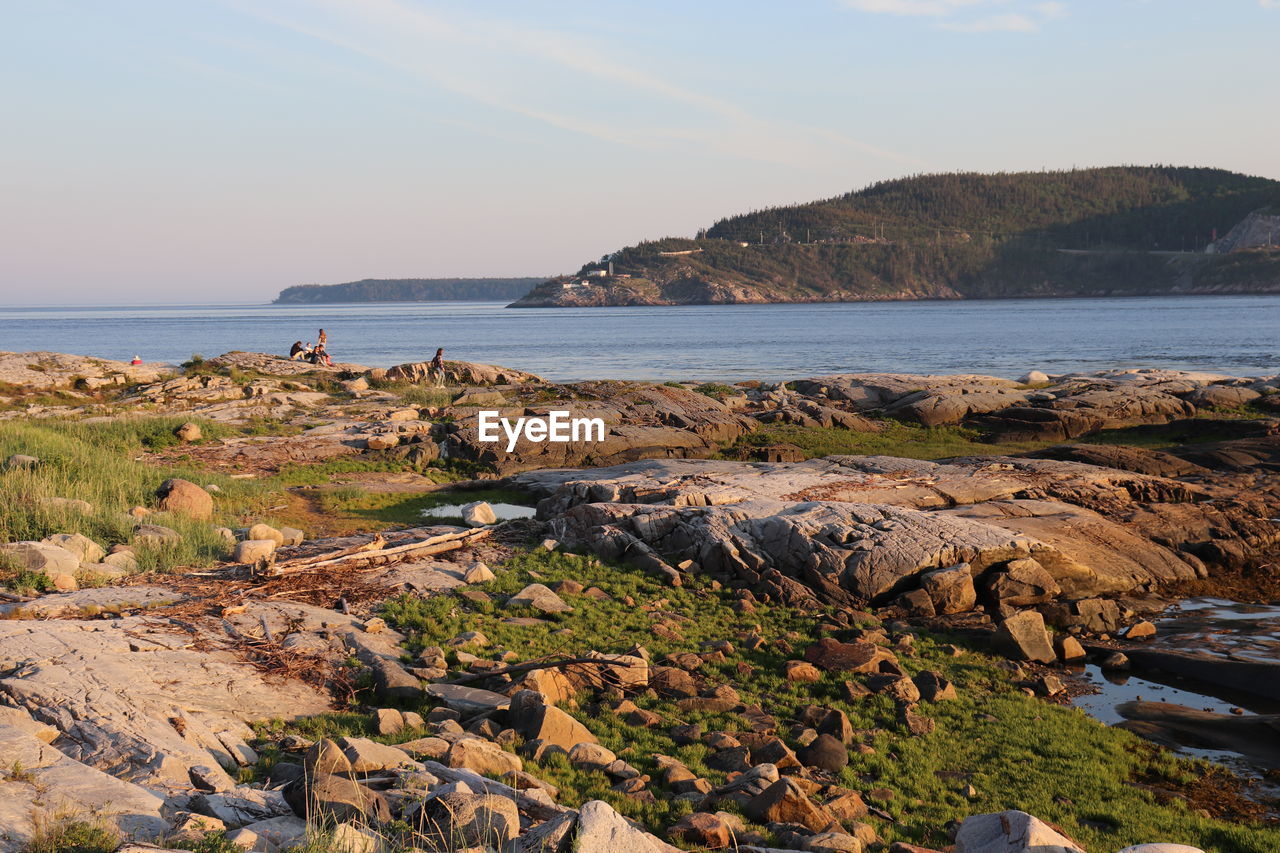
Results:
<point x="591" y="756"/>
<point x="1069" y="648"/>
<point x="253" y="550"/>
<point x="1140" y="631"/>
<point x="1048" y="685"/>
<point x="540" y="598"/>
<point x="478" y="514"/>
<point x="1116" y="660"/>
<point x="265" y="531"/>
<point x="801" y="671"/>
<point x="702" y="830"/>
<point x="388" y="721"/>
<point x="825" y="753"/>
<point x="478" y="573"/>
<point x="292" y="536"/>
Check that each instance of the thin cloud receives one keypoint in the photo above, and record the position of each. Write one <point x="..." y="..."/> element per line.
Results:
<point x="419" y="42"/>
<point x="973" y="16"/>
<point x="1011" y="23"/>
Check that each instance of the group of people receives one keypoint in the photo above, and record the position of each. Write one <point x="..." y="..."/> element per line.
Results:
<point x="315" y="354"/>
<point x="319" y="355"/>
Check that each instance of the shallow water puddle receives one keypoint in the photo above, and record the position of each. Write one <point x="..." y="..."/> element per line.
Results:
<point x="504" y="512"/>
<point x="1227" y="629"/>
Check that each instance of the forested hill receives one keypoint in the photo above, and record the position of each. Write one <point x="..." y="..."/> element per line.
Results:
<point x="411" y="290"/>
<point x="1108" y="231"/>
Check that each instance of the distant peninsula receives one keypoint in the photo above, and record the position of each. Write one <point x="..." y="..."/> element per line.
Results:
<point x="1116" y="231"/>
<point x="410" y="290"/>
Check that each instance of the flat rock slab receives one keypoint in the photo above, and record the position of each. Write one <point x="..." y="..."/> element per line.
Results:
<point x="133" y="700"/>
<point x="53" y="783"/>
<point x="45" y="370"/>
<point x="88" y="602"/>
<point x="467" y="700"/>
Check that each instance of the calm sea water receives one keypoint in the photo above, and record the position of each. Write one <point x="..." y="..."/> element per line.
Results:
<point x="1228" y="334"/>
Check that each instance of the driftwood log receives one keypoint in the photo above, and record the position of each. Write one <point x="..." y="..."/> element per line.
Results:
<point x="374" y="553"/>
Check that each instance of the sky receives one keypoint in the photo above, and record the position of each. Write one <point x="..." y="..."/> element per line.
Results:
<point x="195" y="151"/>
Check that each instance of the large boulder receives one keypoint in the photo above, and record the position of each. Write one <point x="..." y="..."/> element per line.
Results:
<point x="336" y="799"/>
<point x="703" y="831"/>
<point x="951" y="589"/>
<point x="1011" y="832"/>
<point x="49" y="370"/>
<point x="462" y="373"/>
<point x="459" y="819"/>
<point x="1022" y="583"/>
<point x="481" y="756"/>
<point x="602" y="830"/>
<point x="786" y="802"/>
<point x="859" y="656"/>
<point x="1022" y="636"/>
<point x="85" y="549"/>
<point x="183" y="497"/>
<point x="55" y="562"/>
<point x="825" y="753"/>
<point x="531" y="716"/>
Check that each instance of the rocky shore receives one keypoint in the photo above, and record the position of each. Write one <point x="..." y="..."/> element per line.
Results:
<point x="710" y="634"/>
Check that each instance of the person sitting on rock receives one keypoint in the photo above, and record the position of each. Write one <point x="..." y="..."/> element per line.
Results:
<point x="320" y="356"/>
<point x="297" y="351"/>
<point x="436" y="369"/>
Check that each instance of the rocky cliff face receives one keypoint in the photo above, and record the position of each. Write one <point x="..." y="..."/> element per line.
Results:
<point x="1258" y="230"/>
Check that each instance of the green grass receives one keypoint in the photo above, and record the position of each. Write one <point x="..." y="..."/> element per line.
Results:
<point x="717" y="390"/>
<point x="910" y="441"/>
<point x="325" y="472"/>
<point x="61" y="833"/>
<point x="1054" y="762"/>
<point x="101" y="463"/>
<point x="1202" y="429"/>
<point x="413" y="394"/>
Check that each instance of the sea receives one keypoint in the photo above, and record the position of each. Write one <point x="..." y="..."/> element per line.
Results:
<point x="1238" y="335"/>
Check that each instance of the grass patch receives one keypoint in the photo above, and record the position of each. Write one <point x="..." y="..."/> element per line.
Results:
<point x="717" y="390"/>
<point x="910" y="441"/>
<point x="1017" y="751"/>
<point x="413" y="394"/>
<point x="60" y="833"/>
<point x="322" y="473"/>
<point x="102" y="463"/>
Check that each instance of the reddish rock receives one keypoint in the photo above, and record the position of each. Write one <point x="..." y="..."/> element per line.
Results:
<point x="702" y="830"/>
<point x="785" y="802"/>
<point x="834" y="656"/>
<point x="183" y="497"/>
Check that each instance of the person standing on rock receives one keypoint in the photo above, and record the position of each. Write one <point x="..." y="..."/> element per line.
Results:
<point x="436" y="370"/>
<point x="322" y="339"/>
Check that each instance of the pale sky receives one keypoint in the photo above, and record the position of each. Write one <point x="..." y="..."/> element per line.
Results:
<point x="184" y="151"/>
